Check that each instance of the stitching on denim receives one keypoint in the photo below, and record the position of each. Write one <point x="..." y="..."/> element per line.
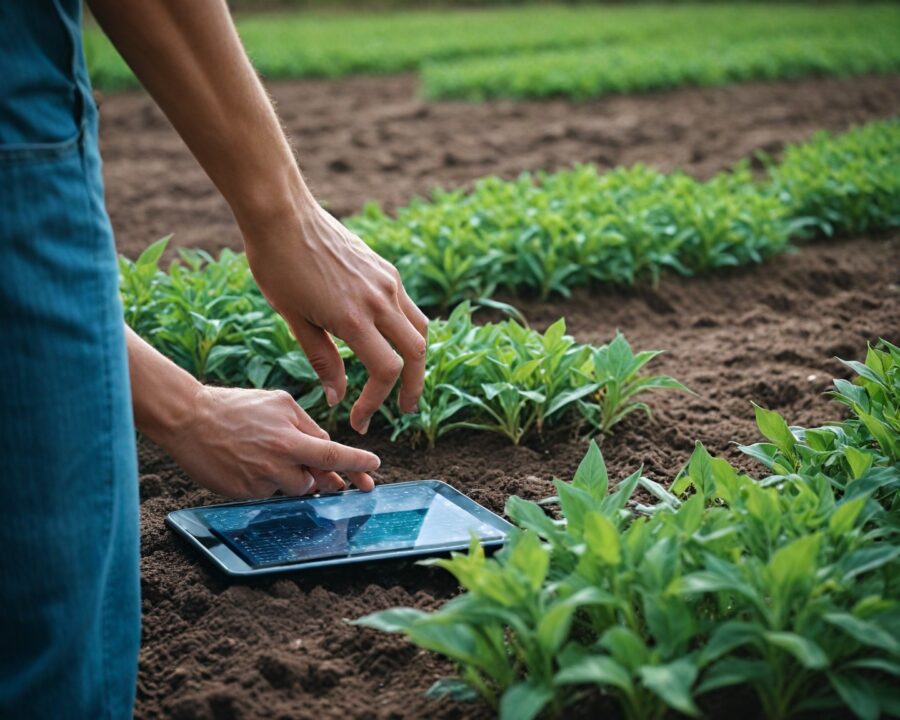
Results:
<point x="108" y="459"/>
<point x="40" y="152"/>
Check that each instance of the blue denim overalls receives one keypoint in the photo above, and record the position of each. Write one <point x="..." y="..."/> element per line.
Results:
<point x="69" y="576"/>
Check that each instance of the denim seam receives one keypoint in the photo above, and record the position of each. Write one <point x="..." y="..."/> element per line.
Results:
<point x="108" y="459"/>
<point x="40" y="152"/>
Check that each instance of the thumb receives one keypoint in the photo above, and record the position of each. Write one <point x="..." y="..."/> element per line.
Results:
<point x="324" y="357"/>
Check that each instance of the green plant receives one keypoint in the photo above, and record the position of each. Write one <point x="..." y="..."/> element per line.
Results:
<point x="616" y="374"/>
<point x="672" y="61"/>
<point x="786" y="585"/>
<point x="549" y="233"/>
<point x="310" y="44"/>
<point x="858" y="456"/>
<point x="211" y="319"/>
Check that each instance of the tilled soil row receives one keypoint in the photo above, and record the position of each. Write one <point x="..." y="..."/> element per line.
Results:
<point x="370" y="138"/>
<point x="281" y="648"/>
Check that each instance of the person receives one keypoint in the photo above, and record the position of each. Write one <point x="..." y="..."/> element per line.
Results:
<point x="76" y="382"/>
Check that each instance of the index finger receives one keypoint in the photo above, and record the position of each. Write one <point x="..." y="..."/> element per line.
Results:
<point x="329" y="455"/>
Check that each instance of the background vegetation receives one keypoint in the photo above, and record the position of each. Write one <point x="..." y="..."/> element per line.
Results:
<point x="332" y="45"/>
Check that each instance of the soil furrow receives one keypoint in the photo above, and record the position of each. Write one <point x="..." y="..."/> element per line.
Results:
<point x="370" y="138"/>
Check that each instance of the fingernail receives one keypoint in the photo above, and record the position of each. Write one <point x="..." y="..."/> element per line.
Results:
<point x="364" y="426"/>
<point x="412" y="405"/>
<point x="331" y="396"/>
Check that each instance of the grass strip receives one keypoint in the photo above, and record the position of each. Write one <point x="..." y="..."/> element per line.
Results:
<point x="304" y="44"/>
<point x="669" y="63"/>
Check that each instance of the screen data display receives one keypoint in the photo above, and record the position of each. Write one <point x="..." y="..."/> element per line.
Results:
<point x="392" y="517"/>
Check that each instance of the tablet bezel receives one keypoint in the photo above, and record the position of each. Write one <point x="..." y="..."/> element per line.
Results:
<point x="197" y="532"/>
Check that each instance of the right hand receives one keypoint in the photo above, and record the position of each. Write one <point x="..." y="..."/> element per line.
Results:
<point x="249" y="443"/>
<point x="325" y="281"/>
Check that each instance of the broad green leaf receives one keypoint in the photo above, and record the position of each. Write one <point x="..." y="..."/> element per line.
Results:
<point x="774" y="428"/>
<point x="454" y="688"/>
<point x="393" y="620"/>
<point x="530" y="558"/>
<point x="555" y="333"/>
<point x="624" y="490"/>
<point x="575" y="503"/>
<point x="806" y="651"/>
<point x="856" y="692"/>
<point x="859" y="461"/>
<point x="458" y="642"/>
<point x="889" y="442"/>
<point x="530" y="516"/>
<point x="733" y="671"/>
<point x="524" y="701"/>
<point x="596" y="669"/>
<point x="726" y="637"/>
<point x="700" y="470"/>
<point x="867" y="559"/>
<point x="566" y="398"/>
<point x="602" y="538"/>
<point x="591" y="474"/>
<point x="673" y="683"/>
<point x="794" y="566"/>
<point x="150" y="256"/>
<point x="869" y="373"/>
<point x="866" y="632"/>
<point x="553" y="627"/>
<point x="626" y="647"/>
<point x="845" y="514"/>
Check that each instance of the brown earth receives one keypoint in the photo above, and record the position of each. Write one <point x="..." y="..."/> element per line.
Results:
<point x="370" y="138"/>
<point x="281" y="648"/>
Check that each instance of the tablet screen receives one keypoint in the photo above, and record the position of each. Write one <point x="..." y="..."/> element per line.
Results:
<point x="391" y="517"/>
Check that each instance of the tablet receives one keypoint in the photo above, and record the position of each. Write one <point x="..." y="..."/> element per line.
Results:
<point x="409" y="519"/>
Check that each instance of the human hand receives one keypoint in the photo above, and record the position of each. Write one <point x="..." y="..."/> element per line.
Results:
<point x="250" y="443"/>
<point x="323" y="279"/>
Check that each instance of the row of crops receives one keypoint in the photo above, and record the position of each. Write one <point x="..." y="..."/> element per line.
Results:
<point x="540" y="234"/>
<point x="210" y="318"/>
<point x="575" y="51"/>
<point x="671" y="62"/>
<point x="552" y="232"/>
<point x="781" y="586"/>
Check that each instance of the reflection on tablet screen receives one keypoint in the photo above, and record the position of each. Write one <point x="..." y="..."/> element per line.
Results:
<point x="392" y="518"/>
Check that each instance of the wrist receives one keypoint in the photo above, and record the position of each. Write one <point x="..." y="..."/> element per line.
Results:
<point x="167" y="419"/>
<point x="263" y="205"/>
<point x="165" y="397"/>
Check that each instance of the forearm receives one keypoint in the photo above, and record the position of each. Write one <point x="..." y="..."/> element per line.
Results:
<point x="162" y="393"/>
<point x="189" y="58"/>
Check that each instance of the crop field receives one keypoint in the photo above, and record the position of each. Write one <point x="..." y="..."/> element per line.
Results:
<point x="577" y="52"/>
<point x="664" y="343"/>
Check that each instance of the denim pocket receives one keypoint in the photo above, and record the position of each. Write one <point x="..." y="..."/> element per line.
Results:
<point x="40" y="152"/>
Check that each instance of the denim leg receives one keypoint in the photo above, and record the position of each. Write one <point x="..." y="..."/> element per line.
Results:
<point x="69" y="564"/>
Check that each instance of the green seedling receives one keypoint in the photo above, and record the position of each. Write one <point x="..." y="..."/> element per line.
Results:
<point x="546" y="234"/>
<point x="786" y="585"/>
<point x="209" y="317"/>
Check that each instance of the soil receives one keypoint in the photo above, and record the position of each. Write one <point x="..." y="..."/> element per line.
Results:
<point x="371" y="138"/>
<point x="281" y="648"/>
